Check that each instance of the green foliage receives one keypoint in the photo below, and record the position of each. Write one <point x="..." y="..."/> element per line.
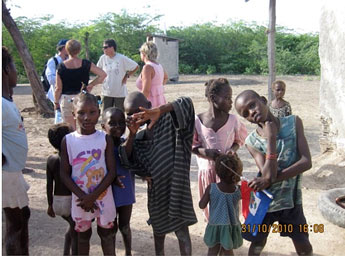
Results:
<point x="234" y="48"/>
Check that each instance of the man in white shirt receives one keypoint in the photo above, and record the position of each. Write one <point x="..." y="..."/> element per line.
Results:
<point x="52" y="65"/>
<point x="118" y="68"/>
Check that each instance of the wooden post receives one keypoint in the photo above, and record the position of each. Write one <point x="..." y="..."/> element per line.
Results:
<point x="271" y="48"/>
<point x="35" y="82"/>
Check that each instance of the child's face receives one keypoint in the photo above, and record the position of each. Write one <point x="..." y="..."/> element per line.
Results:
<point x="87" y="115"/>
<point x="222" y="100"/>
<point x="278" y="91"/>
<point x="251" y="108"/>
<point x="115" y="124"/>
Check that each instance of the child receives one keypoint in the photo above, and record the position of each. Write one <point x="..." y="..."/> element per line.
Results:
<point x="88" y="169"/>
<point x="281" y="153"/>
<point x="162" y="152"/>
<point x="223" y="231"/>
<point x="216" y="132"/>
<point x="114" y="124"/>
<point x="15" y="198"/>
<point x="279" y="107"/>
<point x="60" y="203"/>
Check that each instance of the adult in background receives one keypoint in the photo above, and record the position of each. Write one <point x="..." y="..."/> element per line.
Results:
<point x="153" y="77"/>
<point x="14" y="152"/>
<point x="52" y="66"/>
<point x="72" y="74"/>
<point x="118" y="68"/>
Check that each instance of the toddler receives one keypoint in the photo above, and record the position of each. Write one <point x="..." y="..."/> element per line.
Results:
<point x="279" y="107"/>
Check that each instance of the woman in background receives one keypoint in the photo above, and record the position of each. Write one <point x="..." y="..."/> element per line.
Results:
<point x="153" y="77"/>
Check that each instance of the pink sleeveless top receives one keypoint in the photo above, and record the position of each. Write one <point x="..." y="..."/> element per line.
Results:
<point x="157" y="88"/>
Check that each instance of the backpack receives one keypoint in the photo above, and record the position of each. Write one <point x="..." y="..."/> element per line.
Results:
<point x="44" y="78"/>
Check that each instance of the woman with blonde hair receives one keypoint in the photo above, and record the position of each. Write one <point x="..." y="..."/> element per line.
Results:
<point x="71" y="76"/>
<point x="152" y="77"/>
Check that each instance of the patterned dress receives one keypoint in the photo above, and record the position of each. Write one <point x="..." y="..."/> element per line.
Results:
<point x="283" y="111"/>
<point x="166" y="158"/>
<point x="86" y="156"/>
<point x="224" y="226"/>
<point x="233" y="131"/>
<point x="288" y="192"/>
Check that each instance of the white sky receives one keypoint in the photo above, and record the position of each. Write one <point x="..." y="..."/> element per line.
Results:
<point x="300" y="15"/>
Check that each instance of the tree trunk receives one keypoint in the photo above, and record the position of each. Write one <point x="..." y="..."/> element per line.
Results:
<point x="86" y="41"/>
<point x="35" y="82"/>
<point x="271" y="48"/>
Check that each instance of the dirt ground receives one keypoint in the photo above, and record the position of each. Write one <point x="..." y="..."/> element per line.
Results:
<point x="47" y="234"/>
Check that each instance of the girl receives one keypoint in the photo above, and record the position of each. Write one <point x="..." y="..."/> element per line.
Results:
<point x="223" y="231"/>
<point x="114" y="124"/>
<point x="87" y="169"/>
<point x="279" y="107"/>
<point x="216" y="132"/>
<point x="281" y="152"/>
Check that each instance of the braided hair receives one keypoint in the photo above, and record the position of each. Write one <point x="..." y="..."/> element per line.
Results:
<point x="226" y="162"/>
<point x="214" y="86"/>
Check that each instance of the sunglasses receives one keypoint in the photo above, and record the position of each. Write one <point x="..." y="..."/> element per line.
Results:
<point x="106" y="47"/>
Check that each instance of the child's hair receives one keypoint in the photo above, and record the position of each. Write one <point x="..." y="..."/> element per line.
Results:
<point x="111" y="111"/>
<point x="6" y="58"/>
<point x="57" y="132"/>
<point x="85" y="96"/>
<point x="214" y="86"/>
<point x="278" y="82"/>
<point x="226" y="162"/>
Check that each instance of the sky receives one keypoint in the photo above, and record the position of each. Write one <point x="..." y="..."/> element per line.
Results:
<point x="300" y="15"/>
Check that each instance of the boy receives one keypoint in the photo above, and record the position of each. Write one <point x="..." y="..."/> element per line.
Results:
<point x="162" y="153"/>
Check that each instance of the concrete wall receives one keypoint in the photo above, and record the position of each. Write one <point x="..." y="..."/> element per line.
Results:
<point x="332" y="84"/>
<point x="168" y="56"/>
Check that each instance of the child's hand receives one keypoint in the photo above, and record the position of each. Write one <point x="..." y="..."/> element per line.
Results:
<point x="87" y="203"/>
<point x="149" y="181"/>
<point x="212" y="153"/>
<point x="132" y="125"/>
<point x="147" y="114"/>
<point x="51" y="212"/>
<point x="270" y="129"/>
<point x="259" y="183"/>
<point x="118" y="182"/>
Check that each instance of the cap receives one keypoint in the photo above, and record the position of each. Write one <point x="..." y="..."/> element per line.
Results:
<point x="62" y="42"/>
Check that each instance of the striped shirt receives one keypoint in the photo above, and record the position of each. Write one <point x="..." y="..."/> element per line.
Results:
<point x="166" y="158"/>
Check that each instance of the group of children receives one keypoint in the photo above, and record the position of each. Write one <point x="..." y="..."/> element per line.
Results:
<point x="94" y="165"/>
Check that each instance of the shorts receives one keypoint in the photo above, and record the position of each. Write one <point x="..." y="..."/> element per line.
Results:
<point x="84" y="225"/>
<point x="62" y="205"/>
<point x="66" y="105"/>
<point x="289" y="224"/>
<point x="108" y="102"/>
<point x="14" y="190"/>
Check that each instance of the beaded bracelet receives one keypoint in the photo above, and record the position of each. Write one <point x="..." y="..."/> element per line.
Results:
<point x="271" y="156"/>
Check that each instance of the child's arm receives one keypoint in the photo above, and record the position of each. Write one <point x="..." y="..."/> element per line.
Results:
<point x="267" y="165"/>
<point x="65" y="175"/>
<point x="205" y="198"/>
<point x="152" y="114"/>
<point x="199" y="150"/>
<point x="50" y="184"/>
<point x="108" y="178"/>
<point x="304" y="163"/>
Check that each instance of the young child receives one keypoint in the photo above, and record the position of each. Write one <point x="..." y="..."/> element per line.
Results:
<point x="223" y="231"/>
<point x="114" y="124"/>
<point x="216" y="132"/>
<point x="60" y="203"/>
<point x="15" y="198"/>
<point x="162" y="152"/>
<point x="279" y="107"/>
<point x="87" y="169"/>
<point x="281" y="152"/>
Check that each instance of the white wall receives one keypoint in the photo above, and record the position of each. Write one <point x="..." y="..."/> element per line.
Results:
<point x="332" y="84"/>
